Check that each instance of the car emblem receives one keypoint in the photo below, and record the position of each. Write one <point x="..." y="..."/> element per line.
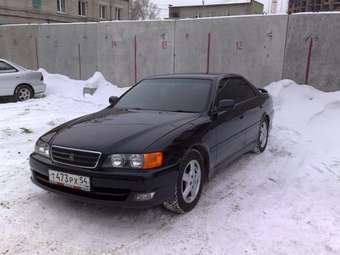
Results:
<point x="71" y="157"/>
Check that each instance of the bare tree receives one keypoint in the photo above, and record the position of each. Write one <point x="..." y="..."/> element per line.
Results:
<point x="144" y="10"/>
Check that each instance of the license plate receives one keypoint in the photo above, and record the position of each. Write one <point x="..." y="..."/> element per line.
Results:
<point x="69" y="180"/>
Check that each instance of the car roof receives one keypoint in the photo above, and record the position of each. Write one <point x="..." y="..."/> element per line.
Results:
<point x="210" y="76"/>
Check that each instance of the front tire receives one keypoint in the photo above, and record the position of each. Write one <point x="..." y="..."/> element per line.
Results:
<point x="189" y="185"/>
<point x="23" y="93"/>
<point x="262" y="139"/>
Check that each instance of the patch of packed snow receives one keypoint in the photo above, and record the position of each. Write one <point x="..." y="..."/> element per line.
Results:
<point x="284" y="201"/>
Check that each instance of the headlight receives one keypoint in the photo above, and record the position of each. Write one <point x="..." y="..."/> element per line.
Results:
<point x="42" y="148"/>
<point x="135" y="161"/>
<point x="118" y="160"/>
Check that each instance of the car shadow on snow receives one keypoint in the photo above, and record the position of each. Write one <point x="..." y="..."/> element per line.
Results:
<point x="58" y="202"/>
<point x="4" y="100"/>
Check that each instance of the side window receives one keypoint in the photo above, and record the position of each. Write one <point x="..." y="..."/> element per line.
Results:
<point x="236" y="89"/>
<point x="4" y="67"/>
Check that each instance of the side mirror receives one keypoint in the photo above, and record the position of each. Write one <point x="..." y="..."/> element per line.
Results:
<point x="225" y="104"/>
<point x="113" y="100"/>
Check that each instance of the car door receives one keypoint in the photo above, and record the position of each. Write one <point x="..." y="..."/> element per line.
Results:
<point x="229" y="124"/>
<point x="251" y="110"/>
<point x="8" y="77"/>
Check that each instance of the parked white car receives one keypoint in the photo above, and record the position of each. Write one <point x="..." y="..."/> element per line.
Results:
<point x="20" y="82"/>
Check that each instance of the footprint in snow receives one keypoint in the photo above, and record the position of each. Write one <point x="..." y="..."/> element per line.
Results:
<point x="26" y="130"/>
<point x="5" y="205"/>
<point x="8" y="131"/>
<point x="56" y="122"/>
<point x="280" y="152"/>
<point x="26" y="111"/>
<point x="51" y="123"/>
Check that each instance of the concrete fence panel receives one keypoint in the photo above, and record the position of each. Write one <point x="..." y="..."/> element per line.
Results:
<point x="312" y="53"/>
<point x="252" y="46"/>
<point x="130" y="51"/>
<point x="69" y="49"/>
<point x="191" y="46"/>
<point x="19" y="44"/>
<point x="301" y="47"/>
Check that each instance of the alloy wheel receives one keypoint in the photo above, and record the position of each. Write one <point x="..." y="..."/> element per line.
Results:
<point x="263" y="134"/>
<point x="23" y="94"/>
<point x="191" y="181"/>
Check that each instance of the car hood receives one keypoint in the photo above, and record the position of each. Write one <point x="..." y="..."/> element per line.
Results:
<point x="119" y="130"/>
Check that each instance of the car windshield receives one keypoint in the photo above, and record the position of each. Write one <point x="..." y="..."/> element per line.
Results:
<point x="175" y="95"/>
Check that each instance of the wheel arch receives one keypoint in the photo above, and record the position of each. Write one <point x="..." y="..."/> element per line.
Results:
<point x="206" y="159"/>
<point x="25" y="84"/>
<point x="267" y="117"/>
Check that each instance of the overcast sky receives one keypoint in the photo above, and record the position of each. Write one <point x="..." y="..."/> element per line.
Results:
<point x="163" y="4"/>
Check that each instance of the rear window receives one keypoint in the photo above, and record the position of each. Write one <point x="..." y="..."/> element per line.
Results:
<point x="5" y="67"/>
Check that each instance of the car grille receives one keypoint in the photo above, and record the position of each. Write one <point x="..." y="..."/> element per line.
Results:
<point x="75" y="157"/>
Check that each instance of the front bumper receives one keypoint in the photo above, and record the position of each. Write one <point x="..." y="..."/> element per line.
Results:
<point x="39" y="88"/>
<point x="118" y="188"/>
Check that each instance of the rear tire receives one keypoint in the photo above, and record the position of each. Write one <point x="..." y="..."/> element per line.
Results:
<point x="23" y="93"/>
<point x="189" y="184"/>
<point x="262" y="139"/>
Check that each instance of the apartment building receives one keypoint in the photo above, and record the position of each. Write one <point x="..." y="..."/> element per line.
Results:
<point x="216" y="8"/>
<point x="313" y="5"/>
<point x="51" y="11"/>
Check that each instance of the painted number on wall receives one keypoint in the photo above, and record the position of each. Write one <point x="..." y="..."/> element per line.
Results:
<point x="239" y="45"/>
<point x="164" y="42"/>
<point x="114" y="44"/>
<point x="164" y="45"/>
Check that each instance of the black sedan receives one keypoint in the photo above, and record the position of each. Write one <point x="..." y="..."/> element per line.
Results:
<point x="157" y="144"/>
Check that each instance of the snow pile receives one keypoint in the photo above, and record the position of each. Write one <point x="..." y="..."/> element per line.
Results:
<point x="311" y="112"/>
<point x="60" y="85"/>
<point x="284" y="201"/>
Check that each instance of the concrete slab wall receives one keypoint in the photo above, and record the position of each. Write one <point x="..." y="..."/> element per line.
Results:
<point x="314" y="38"/>
<point x="130" y="51"/>
<point x="251" y="46"/>
<point x="262" y="48"/>
<point x="69" y="49"/>
<point x="19" y="44"/>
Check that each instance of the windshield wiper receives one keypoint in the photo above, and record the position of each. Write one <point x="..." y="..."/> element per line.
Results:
<point x="141" y="109"/>
<point x="183" y="111"/>
<point x="135" y="108"/>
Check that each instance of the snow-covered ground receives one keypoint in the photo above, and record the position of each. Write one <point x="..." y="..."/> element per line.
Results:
<point x="284" y="201"/>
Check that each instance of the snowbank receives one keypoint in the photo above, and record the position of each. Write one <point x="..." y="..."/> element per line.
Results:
<point x="60" y="85"/>
<point x="311" y="112"/>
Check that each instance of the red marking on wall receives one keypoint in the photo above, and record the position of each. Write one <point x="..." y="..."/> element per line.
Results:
<point x="114" y="44"/>
<point x="309" y="58"/>
<point x="164" y="42"/>
<point x="36" y="52"/>
<point x="208" y="53"/>
<point x="239" y="45"/>
<point x="79" y="61"/>
<point x="135" y="59"/>
<point x="164" y="45"/>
